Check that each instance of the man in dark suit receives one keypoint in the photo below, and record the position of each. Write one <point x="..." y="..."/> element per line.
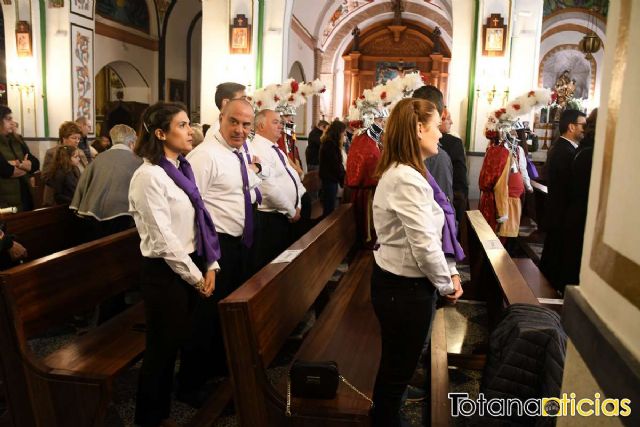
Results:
<point x="312" y="153"/>
<point x="558" y="167"/>
<point x="454" y="147"/>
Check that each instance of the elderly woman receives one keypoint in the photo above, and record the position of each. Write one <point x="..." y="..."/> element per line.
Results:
<point x="102" y="191"/>
<point x="68" y="134"/>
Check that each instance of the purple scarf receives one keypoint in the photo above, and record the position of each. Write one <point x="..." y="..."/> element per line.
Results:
<point x="207" y="244"/>
<point x="532" y="170"/>
<point x="450" y="245"/>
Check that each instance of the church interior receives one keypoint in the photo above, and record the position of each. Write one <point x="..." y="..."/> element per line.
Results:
<point x="533" y="105"/>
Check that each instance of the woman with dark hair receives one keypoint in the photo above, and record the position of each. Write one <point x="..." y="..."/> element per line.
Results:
<point x="410" y="264"/>
<point x="331" y="165"/>
<point x="180" y="248"/>
<point x="62" y="176"/>
<point x="17" y="163"/>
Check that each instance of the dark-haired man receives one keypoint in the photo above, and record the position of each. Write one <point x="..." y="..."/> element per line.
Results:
<point x="225" y="92"/>
<point x="312" y="153"/>
<point x="440" y="165"/>
<point x="558" y="169"/>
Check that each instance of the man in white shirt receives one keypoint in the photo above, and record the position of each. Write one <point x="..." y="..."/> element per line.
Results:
<point x="281" y="191"/>
<point x="228" y="183"/>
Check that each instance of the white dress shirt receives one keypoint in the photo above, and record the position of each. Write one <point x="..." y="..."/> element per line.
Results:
<point x="522" y="166"/>
<point x="165" y="219"/>
<point x="278" y="190"/>
<point x="218" y="176"/>
<point x="409" y="222"/>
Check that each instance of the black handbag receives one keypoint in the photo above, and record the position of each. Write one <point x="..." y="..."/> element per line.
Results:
<point x="315" y="380"/>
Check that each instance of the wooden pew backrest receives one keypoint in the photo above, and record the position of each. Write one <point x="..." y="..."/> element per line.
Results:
<point x="277" y="297"/>
<point x="259" y="316"/>
<point x="485" y="244"/>
<point x="44" y="231"/>
<point x="40" y="292"/>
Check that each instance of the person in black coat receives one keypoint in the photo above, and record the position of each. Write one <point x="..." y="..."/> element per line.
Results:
<point x="578" y="200"/>
<point x="331" y="165"/>
<point x="312" y="153"/>
<point x="454" y="147"/>
<point x="559" y="178"/>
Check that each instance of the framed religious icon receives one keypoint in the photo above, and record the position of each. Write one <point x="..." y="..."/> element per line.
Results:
<point x="494" y="36"/>
<point x="23" y="38"/>
<point x="177" y="90"/>
<point x="240" y="35"/>
<point x="83" y="8"/>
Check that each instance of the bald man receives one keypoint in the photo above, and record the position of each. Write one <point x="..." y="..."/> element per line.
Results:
<point x="227" y="178"/>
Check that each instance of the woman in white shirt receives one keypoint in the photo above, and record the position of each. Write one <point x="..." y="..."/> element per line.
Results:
<point x="180" y="249"/>
<point x="410" y="266"/>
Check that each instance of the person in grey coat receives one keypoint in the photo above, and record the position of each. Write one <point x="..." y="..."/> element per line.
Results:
<point x="101" y="196"/>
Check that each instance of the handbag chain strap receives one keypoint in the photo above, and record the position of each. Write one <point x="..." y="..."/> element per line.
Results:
<point x="343" y="379"/>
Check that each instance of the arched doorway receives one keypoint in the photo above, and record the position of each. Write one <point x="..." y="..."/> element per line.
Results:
<point x="122" y="94"/>
<point x="297" y="72"/>
<point x="386" y="50"/>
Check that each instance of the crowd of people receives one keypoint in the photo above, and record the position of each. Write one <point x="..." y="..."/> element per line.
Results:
<point x="213" y="205"/>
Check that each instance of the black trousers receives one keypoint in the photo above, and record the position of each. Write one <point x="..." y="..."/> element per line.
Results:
<point x="204" y="357"/>
<point x="273" y="235"/>
<point x="404" y="308"/>
<point x="169" y="305"/>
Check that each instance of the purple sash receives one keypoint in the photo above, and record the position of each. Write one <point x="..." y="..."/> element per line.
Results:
<point x="207" y="244"/>
<point x="450" y="245"/>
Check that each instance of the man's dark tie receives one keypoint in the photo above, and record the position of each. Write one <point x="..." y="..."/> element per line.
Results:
<point x="284" y="163"/>
<point x="247" y="234"/>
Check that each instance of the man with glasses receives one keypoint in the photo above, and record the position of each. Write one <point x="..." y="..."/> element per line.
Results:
<point x="558" y="170"/>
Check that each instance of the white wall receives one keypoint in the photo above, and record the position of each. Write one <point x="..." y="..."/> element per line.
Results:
<point x="460" y="65"/>
<point x="299" y="51"/>
<point x="108" y="50"/>
<point x="612" y="308"/>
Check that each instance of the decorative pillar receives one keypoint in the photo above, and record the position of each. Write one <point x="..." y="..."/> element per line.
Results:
<point x="436" y="66"/>
<point x="354" y="70"/>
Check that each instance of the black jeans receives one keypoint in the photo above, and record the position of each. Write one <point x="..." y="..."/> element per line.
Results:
<point x="204" y="357"/>
<point x="329" y="194"/>
<point x="169" y="304"/>
<point x="404" y="308"/>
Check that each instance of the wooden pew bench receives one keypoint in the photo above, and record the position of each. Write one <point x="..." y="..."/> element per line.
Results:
<point x="45" y="231"/>
<point x="258" y="318"/>
<point x="71" y="386"/>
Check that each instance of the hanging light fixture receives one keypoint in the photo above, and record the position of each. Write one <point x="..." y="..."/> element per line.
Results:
<point x="591" y="43"/>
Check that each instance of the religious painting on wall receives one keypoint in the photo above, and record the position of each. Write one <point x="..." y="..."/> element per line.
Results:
<point x="131" y="13"/>
<point x="494" y="36"/>
<point x="23" y="39"/>
<point x="345" y="8"/>
<point x="389" y="70"/>
<point x="177" y="90"/>
<point x="82" y="74"/>
<point x="240" y="37"/>
<point x="82" y="8"/>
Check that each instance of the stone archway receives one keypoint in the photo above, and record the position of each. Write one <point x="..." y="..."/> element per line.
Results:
<point x="386" y="51"/>
<point x="329" y="56"/>
<point x="122" y="93"/>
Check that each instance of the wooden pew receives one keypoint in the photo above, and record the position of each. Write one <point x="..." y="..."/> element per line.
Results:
<point x="260" y="315"/>
<point x="494" y="275"/>
<point x="45" y="231"/>
<point x="71" y="386"/>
